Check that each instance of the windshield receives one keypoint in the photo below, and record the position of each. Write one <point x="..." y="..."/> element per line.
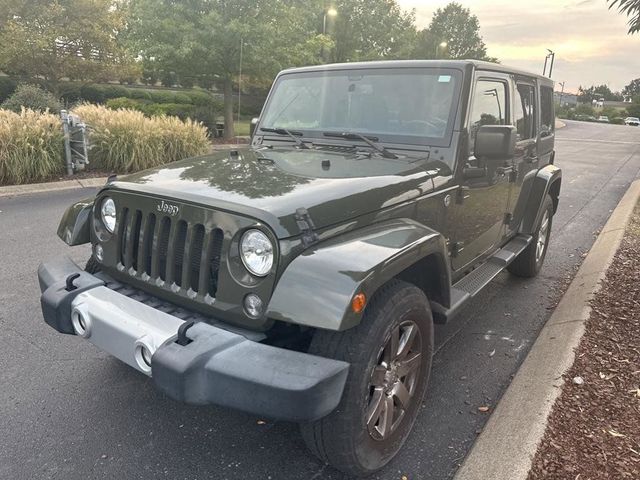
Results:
<point x="402" y="105"/>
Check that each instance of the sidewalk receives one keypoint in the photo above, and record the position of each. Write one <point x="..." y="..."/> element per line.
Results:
<point x="14" y="190"/>
<point x="505" y="448"/>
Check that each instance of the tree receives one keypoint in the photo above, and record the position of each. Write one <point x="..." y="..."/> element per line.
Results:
<point x="633" y="89"/>
<point x="371" y="30"/>
<point x="631" y="8"/>
<point x="75" y="39"/>
<point x="596" y="92"/>
<point x="203" y="38"/>
<point x="456" y="26"/>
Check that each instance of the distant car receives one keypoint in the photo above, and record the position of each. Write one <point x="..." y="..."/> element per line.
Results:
<point x="632" y="121"/>
<point x="603" y="119"/>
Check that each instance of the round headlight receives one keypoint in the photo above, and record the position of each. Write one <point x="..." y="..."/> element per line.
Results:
<point x="108" y="214"/>
<point x="256" y="252"/>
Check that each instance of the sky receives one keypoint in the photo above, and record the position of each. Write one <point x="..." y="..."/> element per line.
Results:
<point x="591" y="42"/>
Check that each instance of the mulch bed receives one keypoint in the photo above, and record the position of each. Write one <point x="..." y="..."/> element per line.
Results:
<point x="594" y="429"/>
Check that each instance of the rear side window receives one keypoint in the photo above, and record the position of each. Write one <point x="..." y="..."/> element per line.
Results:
<point x="489" y="106"/>
<point x="547" y="120"/>
<point x="524" y="111"/>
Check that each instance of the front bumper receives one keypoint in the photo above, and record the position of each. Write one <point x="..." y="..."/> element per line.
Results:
<point x="216" y="366"/>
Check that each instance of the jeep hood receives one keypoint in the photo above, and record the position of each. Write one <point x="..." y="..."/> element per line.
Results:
<point x="271" y="184"/>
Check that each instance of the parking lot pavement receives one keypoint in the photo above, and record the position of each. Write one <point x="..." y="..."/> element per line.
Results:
<point x="69" y="411"/>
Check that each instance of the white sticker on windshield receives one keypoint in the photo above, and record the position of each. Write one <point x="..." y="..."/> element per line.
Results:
<point x="444" y="78"/>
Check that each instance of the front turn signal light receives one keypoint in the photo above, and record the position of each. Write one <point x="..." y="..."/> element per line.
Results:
<point x="358" y="302"/>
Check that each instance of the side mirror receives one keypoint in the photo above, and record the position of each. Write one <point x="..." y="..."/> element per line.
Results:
<point x="495" y="142"/>
<point x="253" y="125"/>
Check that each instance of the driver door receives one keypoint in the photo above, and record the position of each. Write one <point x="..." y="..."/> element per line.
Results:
<point x="483" y="195"/>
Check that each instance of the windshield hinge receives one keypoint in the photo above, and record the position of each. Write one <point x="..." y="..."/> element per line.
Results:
<point x="306" y="226"/>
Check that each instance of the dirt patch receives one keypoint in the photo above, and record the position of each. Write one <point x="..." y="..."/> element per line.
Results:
<point x="594" y="429"/>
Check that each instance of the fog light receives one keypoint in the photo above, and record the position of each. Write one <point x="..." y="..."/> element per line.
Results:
<point x="98" y="252"/>
<point x="143" y="354"/>
<point x="253" y="305"/>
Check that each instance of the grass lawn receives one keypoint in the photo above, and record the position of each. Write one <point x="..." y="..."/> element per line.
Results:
<point x="242" y="127"/>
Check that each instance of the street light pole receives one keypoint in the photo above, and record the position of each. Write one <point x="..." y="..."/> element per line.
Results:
<point x="441" y="45"/>
<point x="561" y="91"/>
<point x="331" y="12"/>
<point x="552" y="54"/>
<point x="328" y="12"/>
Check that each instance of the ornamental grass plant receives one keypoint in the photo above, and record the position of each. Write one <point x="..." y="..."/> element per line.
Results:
<point x="31" y="146"/>
<point x="126" y="141"/>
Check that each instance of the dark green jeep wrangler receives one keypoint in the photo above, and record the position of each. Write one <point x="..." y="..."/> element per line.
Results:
<point x="299" y="278"/>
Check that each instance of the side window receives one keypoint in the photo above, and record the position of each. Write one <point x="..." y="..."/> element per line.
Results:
<point x="524" y="111"/>
<point x="488" y="107"/>
<point x="547" y="120"/>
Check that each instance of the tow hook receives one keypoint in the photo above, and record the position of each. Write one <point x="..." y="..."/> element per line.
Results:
<point x="70" y="279"/>
<point x="182" y="339"/>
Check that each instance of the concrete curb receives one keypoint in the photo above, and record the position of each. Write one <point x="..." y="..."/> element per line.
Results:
<point x="506" y="447"/>
<point x="15" y="190"/>
<point x="560" y="124"/>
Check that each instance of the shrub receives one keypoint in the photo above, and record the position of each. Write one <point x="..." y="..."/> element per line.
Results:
<point x="633" y="110"/>
<point x="180" y="110"/>
<point x="162" y="96"/>
<point x="31" y="146"/>
<point x="182" y="98"/>
<point x="617" y="121"/>
<point x="115" y="91"/>
<point x="33" y="98"/>
<point x="139" y="94"/>
<point x="92" y="93"/>
<point x="116" y="103"/>
<point x="70" y="92"/>
<point x="7" y="87"/>
<point x="126" y="141"/>
<point x="199" y="98"/>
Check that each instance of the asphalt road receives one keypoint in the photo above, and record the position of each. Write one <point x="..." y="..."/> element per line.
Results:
<point x="68" y="411"/>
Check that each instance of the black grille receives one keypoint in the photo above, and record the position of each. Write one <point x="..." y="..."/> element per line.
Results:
<point x="180" y="254"/>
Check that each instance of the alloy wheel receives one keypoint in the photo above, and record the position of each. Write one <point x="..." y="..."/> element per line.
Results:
<point x="394" y="380"/>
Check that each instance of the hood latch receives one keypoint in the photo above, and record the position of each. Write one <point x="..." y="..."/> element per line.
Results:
<point x="306" y="226"/>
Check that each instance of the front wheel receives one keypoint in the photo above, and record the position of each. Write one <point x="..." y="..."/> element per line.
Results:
<point x="390" y="355"/>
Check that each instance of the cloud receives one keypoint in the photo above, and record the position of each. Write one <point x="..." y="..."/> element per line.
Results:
<point x="590" y="41"/>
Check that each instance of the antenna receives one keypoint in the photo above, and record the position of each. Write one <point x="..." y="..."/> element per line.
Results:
<point x="239" y="87"/>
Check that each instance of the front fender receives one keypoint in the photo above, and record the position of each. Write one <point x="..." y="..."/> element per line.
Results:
<point x="542" y="185"/>
<point x="317" y="287"/>
<point x="74" y="226"/>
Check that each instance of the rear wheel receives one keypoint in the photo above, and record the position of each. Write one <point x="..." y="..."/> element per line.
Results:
<point x="530" y="261"/>
<point x="390" y="355"/>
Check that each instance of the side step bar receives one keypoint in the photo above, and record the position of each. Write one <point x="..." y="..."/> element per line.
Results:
<point x="469" y="285"/>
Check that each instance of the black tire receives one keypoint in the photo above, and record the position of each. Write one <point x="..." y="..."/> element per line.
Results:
<point x="529" y="262"/>
<point x="343" y="438"/>
<point x="92" y="266"/>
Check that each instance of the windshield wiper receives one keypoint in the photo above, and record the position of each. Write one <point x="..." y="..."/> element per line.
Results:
<point x="284" y="131"/>
<point x="371" y="141"/>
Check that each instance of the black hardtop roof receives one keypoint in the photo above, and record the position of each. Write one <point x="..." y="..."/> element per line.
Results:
<point x="459" y="64"/>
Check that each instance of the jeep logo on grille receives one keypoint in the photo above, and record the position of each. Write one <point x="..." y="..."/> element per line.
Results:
<point x="169" y="209"/>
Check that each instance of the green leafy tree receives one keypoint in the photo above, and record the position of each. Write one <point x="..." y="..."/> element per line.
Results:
<point x="596" y="92"/>
<point x="203" y="38"/>
<point x="58" y="39"/>
<point x="630" y="8"/>
<point x="371" y="30"/>
<point x="633" y="89"/>
<point x="459" y="29"/>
